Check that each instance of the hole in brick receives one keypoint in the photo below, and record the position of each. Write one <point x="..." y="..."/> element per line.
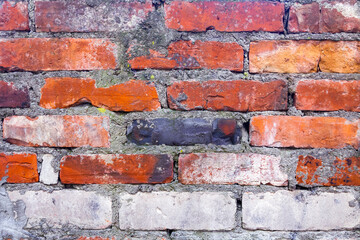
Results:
<point x="246" y="126"/>
<point x="210" y="28"/>
<point x="169" y="232"/>
<point x="69" y="186"/>
<point x="238" y="204"/>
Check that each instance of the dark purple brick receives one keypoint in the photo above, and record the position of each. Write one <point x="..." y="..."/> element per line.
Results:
<point x="177" y="132"/>
<point x="13" y="97"/>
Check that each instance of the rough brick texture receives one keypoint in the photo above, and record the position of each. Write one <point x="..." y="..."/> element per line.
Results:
<point x="304" y="132"/>
<point x="57" y="131"/>
<point x="231" y="168"/>
<point x="228" y="95"/>
<point x="304" y="56"/>
<point x="177" y="210"/>
<point x="87" y="210"/>
<point x="13" y="97"/>
<point x="130" y="96"/>
<point x="188" y="55"/>
<point x="225" y="16"/>
<point x="14" y="15"/>
<point x="184" y="132"/>
<point x="112" y="169"/>
<point x="18" y="167"/>
<point x="328" y="16"/>
<point x="347" y="51"/>
<point x="53" y="54"/>
<point x="284" y="56"/>
<point x="300" y="210"/>
<point x="327" y="95"/>
<point x="85" y="16"/>
<point x="340" y="172"/>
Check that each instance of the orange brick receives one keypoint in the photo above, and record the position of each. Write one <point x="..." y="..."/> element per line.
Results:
<point x="224" y="16"/>
<point x="57" y="131"/>
<point x="228" y="95"/>
<point x="45" y="54"/>
<point x="341" y="172"/>
<point x="19" y="167"/>
<point x="14" y="16"/>
<point x="340" y="57"/>
<point x="187" y="55"/>
<point x="130" y="96"/>
<point x="327" y="95"/>
<point x="303" y="132"/>
<point x="284" y="56"/>
<point x="113" y="169"/>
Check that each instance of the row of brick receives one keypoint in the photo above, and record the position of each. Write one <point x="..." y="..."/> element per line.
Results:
<point x="237" y="95"/>
<point x="281" y="210"/>
<point x="194" y="168"/>
<point x="273" y="56"/>
<point x="270" y="131"/>
<point x="80" y="16"/>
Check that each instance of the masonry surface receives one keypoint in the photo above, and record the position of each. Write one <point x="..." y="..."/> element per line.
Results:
<point x="177" y="119"/>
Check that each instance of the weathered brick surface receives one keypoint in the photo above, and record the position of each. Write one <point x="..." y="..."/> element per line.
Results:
<point x="53" y="54"/>
<point x="87" y="210"/>
<point x="225" y="16"/>
<point x="303" y="132"/>
<point x="94" y="238"/>
<point x="328" y="16"/>
<point x="184" y="131"/>
<point x="304" y="18"/>
<point x="340" y="16"/>
<point x="116" y="168"/>
<point x="327" y="95"/>
<point x="12" y="97"/>
<point x="228" y="95"/>
<point x="177" y="210"/>
<point x="311" y="171"/>
<point x="48" y="174"/>
<point x="19" y="167"/>
<point x="14" y="16"/>
<point x="284" y="56"/>
<point x="188" y="55"/>
<point x="79" y="16"/>
<point x="57" y="131"/>
<point x="347" y="51"/>
<point x="231" y="168"/>
<point x="133" y="95"/>
<point x="300" y="210"/>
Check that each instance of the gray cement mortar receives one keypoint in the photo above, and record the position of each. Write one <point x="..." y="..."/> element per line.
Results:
<point x="153" y="34"/>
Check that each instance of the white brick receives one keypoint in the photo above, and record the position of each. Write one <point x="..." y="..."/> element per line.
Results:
<point x="86" y="210"/>
<point x="300" y="210"/>
<point x="48" y="175"/>
<point x="231" y="168"/>
<point x="177" y="210"/>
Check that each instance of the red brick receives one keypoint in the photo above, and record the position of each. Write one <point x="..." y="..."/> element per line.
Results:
<point x="340" y="172"/>
<point x="284" y="56"/>
<point x="19" y="167"/>
<point x="188" y="55"/>
<point x="78" y="16"/>
<point x="304" y="132"/>
<point x="228" y="95"/>
<point x="130" y="96"/>
<point x="304" y="18"/>
<point x="327" y="95"/>
<point x="340" y="57"/>
<point x="231" y="168"/>
<point x="224" y="16"/>
<point x="36" y="54"/>
<point x="14" y="16"/>
<point x="12" y="97"/>
<point x="114" y="169"/>
<point x="340" y="16"/>
<point x="57" y="131"/>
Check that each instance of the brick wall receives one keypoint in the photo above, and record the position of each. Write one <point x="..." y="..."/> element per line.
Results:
<point x="180" y="119"/>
